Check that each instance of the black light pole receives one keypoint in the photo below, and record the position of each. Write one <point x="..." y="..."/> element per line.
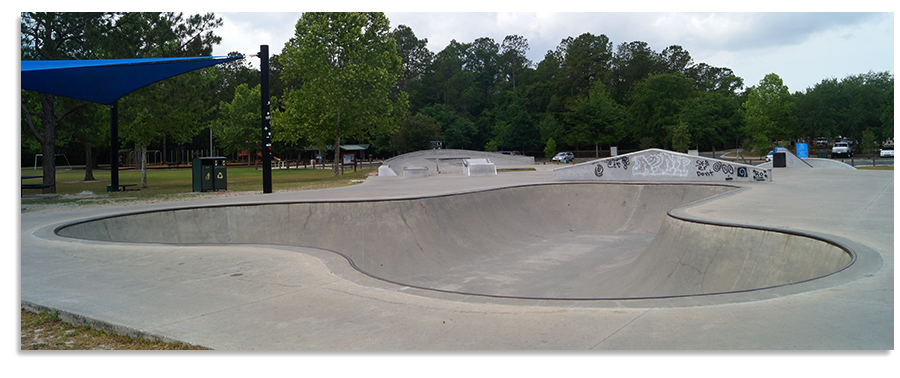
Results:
<point x="266" y="121"/>
<point x="114" y="145"/>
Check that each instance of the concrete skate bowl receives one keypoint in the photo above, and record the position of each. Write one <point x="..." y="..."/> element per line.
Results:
<point x="572" y="241"/>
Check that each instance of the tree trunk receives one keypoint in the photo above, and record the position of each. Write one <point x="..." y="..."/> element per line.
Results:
<point x="88" y="163"/>
<point x="48" y="143"/>
<point x="143" y="166"/>
<point x="48" y="162"/>
<point x="49" y="121"/>
<point x="164" y="160"/>
<point x="337" y="143"/>
<point x="337" y="154"/>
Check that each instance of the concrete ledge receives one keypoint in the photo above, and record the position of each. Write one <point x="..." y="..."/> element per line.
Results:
<point x="656" y="165"/>
<point x="479" y="167"/>
<point x="386" y="171"/>
<point x="415" y="172"/>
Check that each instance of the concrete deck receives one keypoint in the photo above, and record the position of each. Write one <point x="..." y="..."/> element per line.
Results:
<point x="285" y="297"/>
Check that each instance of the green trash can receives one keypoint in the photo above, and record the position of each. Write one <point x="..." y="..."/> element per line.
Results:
<point x="220" y="175"/>
<point x="208" y="173"/>
<point x="823" y="154"/>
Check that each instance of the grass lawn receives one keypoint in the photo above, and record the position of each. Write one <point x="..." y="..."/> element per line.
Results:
<point x="45" y="331"/>
<point x="878" y="168"/>
<point x="172" y="183"/>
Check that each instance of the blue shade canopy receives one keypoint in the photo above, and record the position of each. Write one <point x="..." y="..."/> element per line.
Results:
<point x="105" y="81"/>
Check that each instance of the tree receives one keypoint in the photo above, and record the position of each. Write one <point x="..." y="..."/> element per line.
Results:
<point x="675" y="59"/>
<point x="512" y="57"/>
<point x="457" y="131"/>
<point x="414" y="133"/>
<point x="550" y="148"/>
<point x="847" y="107"/>
<point x="89" y="127"/>
<point x="416" y="57"/>
<point x="768" y="112"/>
<point x="656" y="107"/>
<point x="60" y="36"/>
<point x="176" y="108"/>
<point x="48" y="36"/>
<point x="712" y="118"/>
<point x="585" y="60"/>
<point x="632" y="63"/>
<point x="595" y="118"/>
<point x="344" y="67"/>
<point x="237" y="127"/>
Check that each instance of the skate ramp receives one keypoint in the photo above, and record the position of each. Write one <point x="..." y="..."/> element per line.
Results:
<point x="559" y="241"/>
<point x="656" y="165"/>
<point x="450" y="161"/>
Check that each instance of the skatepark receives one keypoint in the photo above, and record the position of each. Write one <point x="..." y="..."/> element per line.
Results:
<point x="629" y="257"/>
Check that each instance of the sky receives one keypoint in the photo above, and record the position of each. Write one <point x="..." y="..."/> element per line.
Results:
<point x="801" y="48"/>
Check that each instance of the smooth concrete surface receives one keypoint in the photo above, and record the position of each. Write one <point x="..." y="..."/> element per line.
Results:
<point x="255" y="296"/>
<point x="657" y="165"/>
<point x="451" y="161"/>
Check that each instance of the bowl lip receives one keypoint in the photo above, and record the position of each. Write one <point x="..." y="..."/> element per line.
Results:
<point x="830" y="279"/>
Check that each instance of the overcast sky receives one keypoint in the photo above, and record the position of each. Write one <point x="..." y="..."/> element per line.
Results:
<point x="802" y="48"/>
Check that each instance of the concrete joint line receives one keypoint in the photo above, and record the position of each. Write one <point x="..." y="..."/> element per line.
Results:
<point x="619" y="329"/>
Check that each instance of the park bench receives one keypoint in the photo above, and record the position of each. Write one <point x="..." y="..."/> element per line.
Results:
<point x="121" y="187"/>
<point x="35" y="186"/>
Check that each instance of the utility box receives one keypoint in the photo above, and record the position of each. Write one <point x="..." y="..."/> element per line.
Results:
<point x="209" y="173"/>
<point x="779" y="160"/>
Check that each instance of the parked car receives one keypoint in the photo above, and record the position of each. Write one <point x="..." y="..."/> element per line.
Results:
<point x="841" y="149"/>
<point x="771" y="155"/>
<point x="822" y="142"/>
<point x="564" y="157"/>
<point x="887" y="151"/>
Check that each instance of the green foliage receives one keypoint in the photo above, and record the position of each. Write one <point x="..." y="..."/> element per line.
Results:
<point x="457" y="132"/>
<point x="768" y="110"/>
<point x="345" y="76"/>
<point x="656" y="107"/>
<point x="343" y="68"/>
<point x="847" y="107"/>
<point x="887" y="114"/>
<point x="681" y="137"/>
<point x="414" y="133"/>
<point x="868" y="142"/>
<point x="550" y="148"/>
<point x="712" y="118"/>
<point x="594" y="118"/>
<point x="238" y="126"/>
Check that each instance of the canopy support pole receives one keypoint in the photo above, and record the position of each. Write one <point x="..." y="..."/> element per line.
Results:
<point x="114" y="145"/>
<point x="266" y="122"/>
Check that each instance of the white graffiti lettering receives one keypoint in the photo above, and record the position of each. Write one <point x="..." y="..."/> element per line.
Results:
<point x="660" y="164"/>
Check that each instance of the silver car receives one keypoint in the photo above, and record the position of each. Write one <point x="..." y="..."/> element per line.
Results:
<point x="564" y="157"/>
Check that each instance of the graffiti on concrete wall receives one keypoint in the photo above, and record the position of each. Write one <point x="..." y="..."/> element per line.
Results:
<point x="617" y="163"/>
<point x="704" y="169"/>
<point x="654" y="165"/>
<point x="660" y="164"/>
<point x="760" y="175"/>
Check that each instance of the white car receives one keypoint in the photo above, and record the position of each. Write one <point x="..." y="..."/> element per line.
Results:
<point x="887" y="151"/>
<point x="841" y="149"/>
<point x="564" y="157"/>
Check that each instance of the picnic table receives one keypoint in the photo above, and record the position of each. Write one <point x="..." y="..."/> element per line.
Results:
<point x="121" y="187"/>
<point x="34" y="186"/>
